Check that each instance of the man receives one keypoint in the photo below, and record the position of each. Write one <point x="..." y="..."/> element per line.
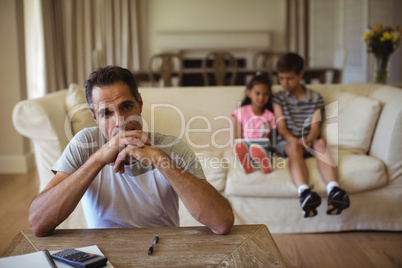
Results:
<point x="126" y="177"/>
<point x="298" y="113"/>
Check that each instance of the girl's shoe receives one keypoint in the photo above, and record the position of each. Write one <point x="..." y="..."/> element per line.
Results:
<point x="243" y="157"/>
<point x="260" y="157"/>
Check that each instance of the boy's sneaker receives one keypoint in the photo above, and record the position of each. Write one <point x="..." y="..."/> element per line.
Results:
<point x="243" y="157"/>
<point x="260" y="157"/>
<point x="338" y="200"/>
<point x="309" y="202"/>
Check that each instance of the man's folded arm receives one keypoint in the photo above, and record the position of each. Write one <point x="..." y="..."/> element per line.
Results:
<point x="60" y="197"/>
<point x="201" y="199"/>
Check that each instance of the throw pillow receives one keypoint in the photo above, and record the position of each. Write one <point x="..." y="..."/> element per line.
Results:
<point x="215" y="167"/>
<point x="350" y="120"/>
<point x="77" y="110"/>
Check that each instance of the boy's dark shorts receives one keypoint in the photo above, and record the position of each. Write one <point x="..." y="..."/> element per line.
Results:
<point x="280" y="149"/>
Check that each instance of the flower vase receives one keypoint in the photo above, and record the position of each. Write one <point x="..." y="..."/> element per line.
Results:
<point x="381" y="74"/>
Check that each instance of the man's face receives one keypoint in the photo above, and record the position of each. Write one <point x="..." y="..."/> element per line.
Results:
<point x="290" y="81"/>
<point x="115" y="109"/>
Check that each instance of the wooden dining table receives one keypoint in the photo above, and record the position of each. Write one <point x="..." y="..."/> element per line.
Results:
<point x="244" y="246"/>
<point x="194" y="76"/>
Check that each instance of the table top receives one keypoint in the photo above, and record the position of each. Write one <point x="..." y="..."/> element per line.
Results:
<point x="244" y="246"/>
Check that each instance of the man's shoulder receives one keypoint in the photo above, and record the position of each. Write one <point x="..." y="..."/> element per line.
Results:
<point x="179" y="151"/>
<point x="162" y="138"/>
<point x="87" y="138"/>
<point x="165" y="141"/>
<point x="89" y="131"/>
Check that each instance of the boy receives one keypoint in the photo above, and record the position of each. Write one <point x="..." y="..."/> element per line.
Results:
<point x="298" y="113"/>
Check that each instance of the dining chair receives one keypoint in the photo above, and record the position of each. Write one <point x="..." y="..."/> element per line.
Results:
<point x="223" y="63"/>
<point x="166" y="66"/>
<point x="265" y="61"/>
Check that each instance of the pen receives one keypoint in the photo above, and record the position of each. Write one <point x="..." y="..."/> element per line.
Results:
<point x="49" y="258"/>
<point x="151" y="249"/>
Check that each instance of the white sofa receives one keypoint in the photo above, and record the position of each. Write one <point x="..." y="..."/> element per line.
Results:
<point x="363" y="125"/>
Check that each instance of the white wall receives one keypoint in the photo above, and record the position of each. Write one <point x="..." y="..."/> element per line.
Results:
<point x="15" y="155"/>
<point x="213" y="15"/>
<point x="341" y="24"/>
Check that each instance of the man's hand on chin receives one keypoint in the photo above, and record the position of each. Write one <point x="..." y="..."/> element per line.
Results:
<point x="145" y="154"/>
<point x="108" y="153"/>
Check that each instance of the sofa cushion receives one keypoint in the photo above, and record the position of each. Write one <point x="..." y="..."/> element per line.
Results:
<point x="386" y="144"/>
<point x="357" y="173"/>
<point x="350" y="120"/>
<point x="77" y="109"/>
<point x="214" y="166"/>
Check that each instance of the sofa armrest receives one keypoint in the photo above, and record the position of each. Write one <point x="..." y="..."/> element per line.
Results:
<point x="386" y="144"/>
<point x="43" y="121"/>
<point x="42" y="118"/>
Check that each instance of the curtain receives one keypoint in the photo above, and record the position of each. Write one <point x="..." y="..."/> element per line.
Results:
<point x="34" y="53"/>
<point x="297" y="27"/>
<point x="80" y="36"/>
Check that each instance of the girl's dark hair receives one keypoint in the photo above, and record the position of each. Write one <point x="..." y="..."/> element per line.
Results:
<point x="107" y="76"/>
<point x="259" y="79"/>
<point x="290" y="62"/>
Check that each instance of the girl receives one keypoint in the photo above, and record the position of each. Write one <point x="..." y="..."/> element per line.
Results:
<point x="253" y="123"/>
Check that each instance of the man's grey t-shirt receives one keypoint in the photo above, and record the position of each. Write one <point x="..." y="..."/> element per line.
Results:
<point x="141" y="196"/>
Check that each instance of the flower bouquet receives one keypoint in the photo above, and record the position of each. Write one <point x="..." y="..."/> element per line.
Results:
<point x="382" y="42"/>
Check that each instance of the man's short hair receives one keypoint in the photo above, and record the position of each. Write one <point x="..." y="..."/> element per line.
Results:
<point x="107" y="76"/>
<point x="290" y="62"/>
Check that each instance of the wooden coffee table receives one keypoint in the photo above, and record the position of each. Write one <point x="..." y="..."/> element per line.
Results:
<point x="244" y="246"/>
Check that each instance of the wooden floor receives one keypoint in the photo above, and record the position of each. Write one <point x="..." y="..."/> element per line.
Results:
<point x="346" y="249"/>
<point x="16" y="194"/>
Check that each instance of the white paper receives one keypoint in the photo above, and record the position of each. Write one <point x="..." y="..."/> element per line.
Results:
<point x="39" y="259"/>
<point x="34" y="260"/>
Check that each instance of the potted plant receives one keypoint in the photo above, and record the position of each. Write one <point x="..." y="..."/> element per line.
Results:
<point x="382" y="42"/>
